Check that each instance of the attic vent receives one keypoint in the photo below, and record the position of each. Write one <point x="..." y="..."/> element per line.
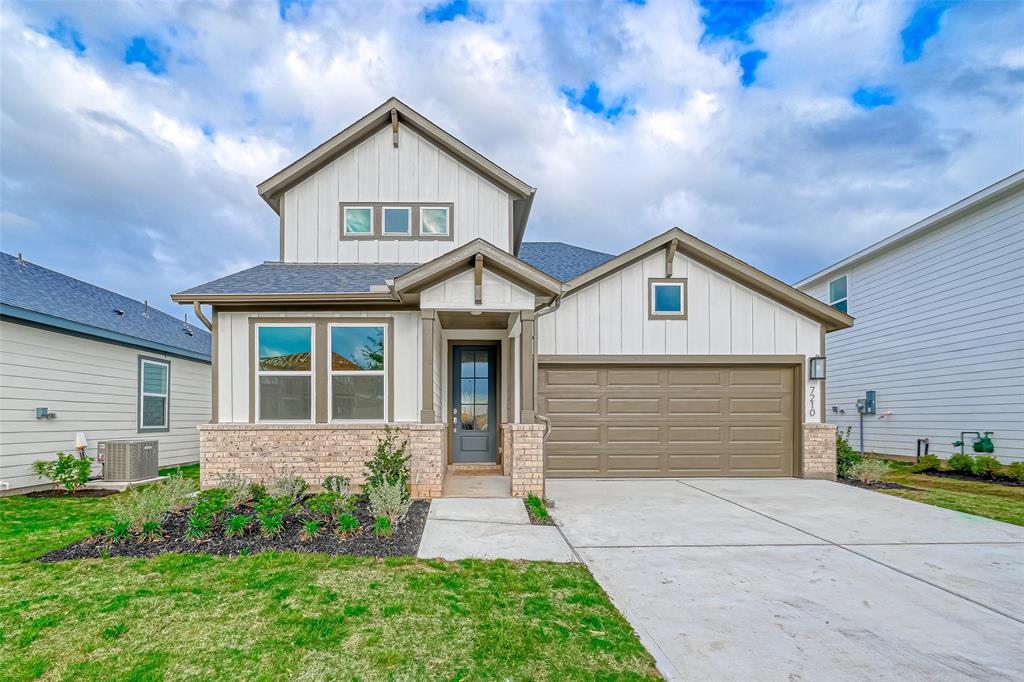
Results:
<point x="188" y="330"/>
<point x="119" y="311"/>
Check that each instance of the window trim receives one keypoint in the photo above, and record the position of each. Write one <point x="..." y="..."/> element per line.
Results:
<point x="384" y="223"/>
<point x="143" y="360"/>
<point x="654" y="282"/>
<point x="344" y="221"/>
<point x="356" y="322"/>
<point x="447" y="222"/>
<point x="846" y="298"/>
<point x="311" y="373"/>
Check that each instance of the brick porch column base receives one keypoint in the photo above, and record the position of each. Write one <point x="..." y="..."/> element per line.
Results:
<point x="261" y="452"/>
<point x="522" y="447"/>
<point x="819" y="451"/>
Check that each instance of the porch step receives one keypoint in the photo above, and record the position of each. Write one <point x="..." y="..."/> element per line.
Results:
<point x="475" y="469"/>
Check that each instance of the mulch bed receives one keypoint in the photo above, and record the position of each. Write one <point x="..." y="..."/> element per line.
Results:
<point x="404" y="542"/>
<point x="1013" y="483"/>
<point x="536" y="520"/>
<point x="875" y="485"/>
<point x="81" y="492"/>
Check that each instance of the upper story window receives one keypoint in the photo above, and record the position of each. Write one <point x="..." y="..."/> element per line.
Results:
<point x="284" y="372"/>
<point x="358" y="220"/>
<point x="154" y="394"/>
<point x="397" y="220"/>
<point x="838" y="294"/>
<point x="667" y="299"/>
<point x="434" y="220"/>
<point x="358" y="390"/>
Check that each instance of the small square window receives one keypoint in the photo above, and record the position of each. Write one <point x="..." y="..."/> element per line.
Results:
<point x="397" y="220"/>
<point x="358" y="220"/>
<point x="668" y="298"/>
<point x="434" y="220"/>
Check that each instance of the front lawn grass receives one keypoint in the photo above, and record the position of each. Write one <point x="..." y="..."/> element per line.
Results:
<point x="286" y="615"/>
<point x="999" y="502"/>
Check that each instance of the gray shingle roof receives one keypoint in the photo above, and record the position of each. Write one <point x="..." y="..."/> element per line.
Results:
<point x="34" y="293"/>
<point x="303" y="278"/>
<point x="561" y="261"/>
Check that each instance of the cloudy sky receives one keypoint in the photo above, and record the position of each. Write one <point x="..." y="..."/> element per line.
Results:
<point x="788" y="133"/>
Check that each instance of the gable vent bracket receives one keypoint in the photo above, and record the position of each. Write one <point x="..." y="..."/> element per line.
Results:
<point x="670" y="256"/>
<point x="394" y="127"/>
<point x="478" y="279"/>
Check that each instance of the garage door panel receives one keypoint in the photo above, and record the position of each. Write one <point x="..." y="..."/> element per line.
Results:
<point x="669" y="421"/>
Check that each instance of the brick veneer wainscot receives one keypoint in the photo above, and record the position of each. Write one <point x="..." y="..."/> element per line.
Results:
<point x="260" y="452"/>
<point x="819" y="451"/>
<point x="523" y="450"/>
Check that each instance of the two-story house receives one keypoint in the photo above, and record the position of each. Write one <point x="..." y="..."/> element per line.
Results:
<point x="403" y="296"/>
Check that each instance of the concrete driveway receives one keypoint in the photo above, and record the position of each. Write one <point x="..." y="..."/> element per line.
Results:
<point x="786" y="579"/>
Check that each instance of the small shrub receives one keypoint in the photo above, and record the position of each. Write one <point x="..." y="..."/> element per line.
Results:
<point x="257" y="491"/>
<point x="347" y="524"/>
<point x="212" y="503"/>
<point x="986" y="466"/>
<point x="846" y="456"/>
<point x="290" y="486"/>
<point x="324" y="505"/>
<point x="389" y="464"/>
<point x="177" y="491"/>
<point x="961" y="462"/>
<point x="538" y="508"/>
<point x="236" y="526"/>
<point x="382" y="527"/>
<point x="198" y="527"/>
<point x="151" y="503"/>
<point x="270" y="513"/>
<point x="390" y="500"/>
<point x="237" y="489"/>
<point x="870" y="470"/>
<point x="119" y="531"/>
<point x="152" y="531"/>
<point x="310" y="529"/>
<point x="339" y="485"/>
<point x="927" y="463"/>
<point x="1016" y="471"/>
<point x="67" y="471"/>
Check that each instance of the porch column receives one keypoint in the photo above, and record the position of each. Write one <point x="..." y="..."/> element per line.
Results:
<point x="527" y="367"/>
<point x="427" y="322"/>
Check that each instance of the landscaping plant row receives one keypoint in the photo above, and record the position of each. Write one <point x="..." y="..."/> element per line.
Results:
<point x="961" y="465"/>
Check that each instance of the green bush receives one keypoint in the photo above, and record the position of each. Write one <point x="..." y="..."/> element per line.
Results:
<point x="236" y="526"/>
<point x="986" y="466"/>
<point x="382" y="527"/>
<point x="927" y="463"/>
<point x="1016" y="471"/>
<point x="310" y="529"/>
<point x="389" y="464"/>
<point x="291" y="486"/>
<point x="869" y="470"/>
<point x="324" y="505"/>
<point x="119" y="532"/>
<point x="538" y="508"/>
<point x="347" y="524"/>
<point x="151" y="531"/>
<point x="389" y="500"/>
<point x="67" y="471"/>
<point x="212" y="502"/>
<point x="846" y="456"/>
<point x="257" y="491"/>
<point x="962" y="463"/>
<point x="198" y="527"/>
<point x="270" y="513"/>
<point x="339" y="485"/>
<point x="151" y="503"/>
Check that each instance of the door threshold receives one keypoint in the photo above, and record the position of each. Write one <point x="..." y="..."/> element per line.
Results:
<point x="475" y="469"/>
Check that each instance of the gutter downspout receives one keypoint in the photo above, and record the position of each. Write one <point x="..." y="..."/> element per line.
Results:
<point x="550" y="308"/>
<point x="198" y="308"/>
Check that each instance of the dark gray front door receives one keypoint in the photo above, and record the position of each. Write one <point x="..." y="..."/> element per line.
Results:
<point x="474" y="397"/>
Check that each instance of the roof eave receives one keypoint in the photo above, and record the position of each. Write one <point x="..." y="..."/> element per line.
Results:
<point x="311" y="297"/>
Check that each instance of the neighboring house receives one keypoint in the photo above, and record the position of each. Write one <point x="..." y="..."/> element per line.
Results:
<point x="940" y="329"/>
<point x="402" y="259"/>
<point x="99" y="363"/>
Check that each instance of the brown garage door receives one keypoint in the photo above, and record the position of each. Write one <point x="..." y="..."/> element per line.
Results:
<point x="626" y="421"/>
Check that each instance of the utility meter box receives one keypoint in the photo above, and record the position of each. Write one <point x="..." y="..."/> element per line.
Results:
<point x="867" y="404"/>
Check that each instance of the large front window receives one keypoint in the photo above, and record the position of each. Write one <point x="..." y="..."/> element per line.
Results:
<point x="284" y="372"/>
<point x="357" y="372"/>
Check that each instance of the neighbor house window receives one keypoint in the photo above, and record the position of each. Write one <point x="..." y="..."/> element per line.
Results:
<point x="668" y="298"/>
<point x="284" y="372"/>
<point x="154" y="394"/>
<point x="358" y="220"/>
<point x="358" y="390"/>
<point x="838" y="294"/>
<point x="397" y="220"/>
<point x="434" y="220"/>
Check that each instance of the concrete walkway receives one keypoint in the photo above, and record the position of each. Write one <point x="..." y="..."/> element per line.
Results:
<point x="489" y="528"/>
<point x="785" y="579"/>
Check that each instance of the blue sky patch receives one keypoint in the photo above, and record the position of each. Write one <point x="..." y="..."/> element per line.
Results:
<point x="748" y="66"/>
<point x="872" y="98"/>
<point x="591" y="100"/>
<point x="923" y="25"/>
<point x="733" y="18"/>
<point x="66" y="35"/>
<point x="283" y="6"/>
<point x="449" y="11"/>
<point x="146" y="51"/>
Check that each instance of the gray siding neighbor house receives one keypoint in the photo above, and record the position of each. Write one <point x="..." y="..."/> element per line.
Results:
<point x="105" y="365"/>
<point x="940" y="329"/>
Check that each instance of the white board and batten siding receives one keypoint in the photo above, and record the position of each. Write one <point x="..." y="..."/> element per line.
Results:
<point x="939" y="336"/>
<point x="92" y="386"/>
<point x="233" y="359"/>
<point x="376" y="171"/>
<point x="609" y="317"/>
<point x="458" y="293"/>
